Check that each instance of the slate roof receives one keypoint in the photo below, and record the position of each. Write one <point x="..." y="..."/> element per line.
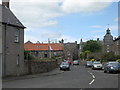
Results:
<point x="43" y="47"/>
<point x="7" y="17"/>
<point x="118" y="38"/>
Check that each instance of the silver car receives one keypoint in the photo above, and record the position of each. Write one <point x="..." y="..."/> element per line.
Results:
<point x="75" y="62"/>
<point x="97" y="65"/>
<point x="64" y="66"/>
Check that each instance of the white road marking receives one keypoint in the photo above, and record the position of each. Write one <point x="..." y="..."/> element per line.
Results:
<point x="92" y="75"/>
<point x="92" y="81"/>
<point x="93" y="78"/>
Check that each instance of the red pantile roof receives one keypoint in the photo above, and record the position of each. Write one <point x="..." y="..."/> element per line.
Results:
<point x="43" y="47"/>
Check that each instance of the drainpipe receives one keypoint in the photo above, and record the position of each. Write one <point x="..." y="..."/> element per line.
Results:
<point x="4" y="48"/>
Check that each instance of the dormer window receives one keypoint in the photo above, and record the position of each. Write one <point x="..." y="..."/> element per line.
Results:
<point x="16" y="36"/>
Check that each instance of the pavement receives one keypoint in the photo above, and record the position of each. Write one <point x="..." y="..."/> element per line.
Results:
<point x="51" y="73"/>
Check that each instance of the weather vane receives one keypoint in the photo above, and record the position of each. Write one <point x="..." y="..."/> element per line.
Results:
<point x="108" y="25"/>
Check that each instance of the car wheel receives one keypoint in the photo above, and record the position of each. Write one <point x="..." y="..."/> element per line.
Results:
<point x="105" y="71"/>
<point x="108" y="71"/>
<point x="60" y="68"/>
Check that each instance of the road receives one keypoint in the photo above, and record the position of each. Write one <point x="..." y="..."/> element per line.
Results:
<point x="77" y="77"/>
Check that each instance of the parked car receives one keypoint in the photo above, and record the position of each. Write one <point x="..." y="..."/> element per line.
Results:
<point x="69" y="62"/>
<point x="89" y="64"/>
<point x="97" y="65"/>
<point x="76" y="62"/>
<point x="64" y="66"/>
<point x="112" y="67"/>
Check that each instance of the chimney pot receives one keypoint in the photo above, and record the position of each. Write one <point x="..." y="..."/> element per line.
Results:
<point x="5" y="3"/>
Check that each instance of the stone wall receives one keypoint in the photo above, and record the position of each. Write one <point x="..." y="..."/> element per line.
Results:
<point x="35" y="67"/>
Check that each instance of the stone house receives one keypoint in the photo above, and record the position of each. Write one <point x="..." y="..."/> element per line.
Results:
<point x="117" y="46"/>
<point x="44" y="50"/>
<point x="108" y="45"/>
<point x="12" y="40"/>
<point x="70" y="50"/>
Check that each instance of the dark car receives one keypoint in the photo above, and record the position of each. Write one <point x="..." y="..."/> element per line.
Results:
<point x="112" y="67"/>
<point x="64" y="66"/>
<point x="89" y="64"/>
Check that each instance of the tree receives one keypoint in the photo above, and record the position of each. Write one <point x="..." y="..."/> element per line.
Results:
<point x="27" y="55"/>
<point x="84" y="54"/>
<point x="92" y="46"/>
<point x="110" y="57"/>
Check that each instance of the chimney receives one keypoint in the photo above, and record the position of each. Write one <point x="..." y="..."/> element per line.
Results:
<point x="97" y="39"/>
<point x="5" y="3"/>
<point x="75" y="42"/>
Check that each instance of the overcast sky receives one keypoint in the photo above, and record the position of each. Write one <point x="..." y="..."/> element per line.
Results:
<point x="67" y="19"/>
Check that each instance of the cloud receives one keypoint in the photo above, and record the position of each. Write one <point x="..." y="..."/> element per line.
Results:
<point x="30" y="38"/>
<point x="51" y="35"/>
<point x="37" y="14"/>
<point x="42" y="35"/>
<point x="102" y="29"/>
<point x="117" y="19"/>
<point x="43" y="13"/>
<point x="89" y="6"/>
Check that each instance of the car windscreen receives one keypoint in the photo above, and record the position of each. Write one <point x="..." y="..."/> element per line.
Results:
<point x="89" y="62"/>
<point x="115" y="64"/>
<point x="64" y="63"/>
<point x="97" y="63"/>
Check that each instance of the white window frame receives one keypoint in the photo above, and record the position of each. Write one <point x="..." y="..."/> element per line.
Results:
<point x="18" y="59"/>
<point x="16" y="36"/>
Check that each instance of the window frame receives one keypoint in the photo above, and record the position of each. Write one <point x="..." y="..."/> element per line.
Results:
<point x="17" y="36"/>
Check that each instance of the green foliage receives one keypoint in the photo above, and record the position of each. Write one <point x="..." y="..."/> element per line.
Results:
<point x="83" y="55"/>
<point x="53" y="57"/>
<point x="92" y="46"/>
<point x="118" y="60"/>
<point x="109" y="57"/>
<point x="28" y="56"/>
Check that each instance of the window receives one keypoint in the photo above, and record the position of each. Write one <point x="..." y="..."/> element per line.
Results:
<point x="16" y="36"/>
<point x="36" y="53"/>
<point x="80" y="47"/>
<point x="18" y="57"/>
<point x="45" y="55"/>
<point x="55" y="53"/>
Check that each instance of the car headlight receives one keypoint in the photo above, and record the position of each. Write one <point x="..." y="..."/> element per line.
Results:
<point x="111" y="67"/>
<point x="95" y="66"/>
<point x="67" y="66"/>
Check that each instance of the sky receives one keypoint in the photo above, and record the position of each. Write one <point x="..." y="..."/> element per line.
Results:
<point x="67" y="19"/>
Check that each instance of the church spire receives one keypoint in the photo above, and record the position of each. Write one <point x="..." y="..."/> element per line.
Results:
<point x="108" y="30"/>
<point x="81" y="40"/>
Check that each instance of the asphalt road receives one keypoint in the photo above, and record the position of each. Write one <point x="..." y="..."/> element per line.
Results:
<point x="77" y="77"/>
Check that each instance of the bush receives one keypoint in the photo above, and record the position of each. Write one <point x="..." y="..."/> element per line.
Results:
<point x="110" y="57"/>
<point x="28" y="56"/>
<point x="118" y="60"/>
